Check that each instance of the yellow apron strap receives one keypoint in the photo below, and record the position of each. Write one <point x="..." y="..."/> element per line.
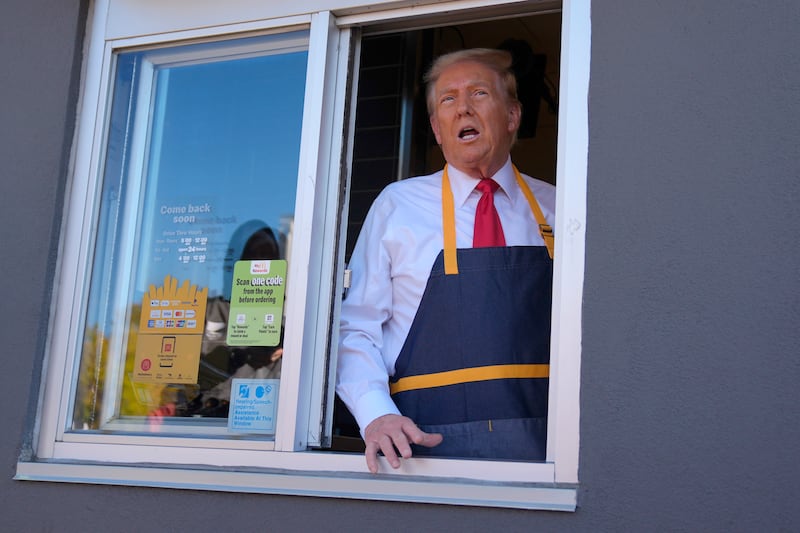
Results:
<point x="449" y="221"/>
<point x="545" y="230"/>
<point x="469" y="375"/>
<point x="449" y="226"/>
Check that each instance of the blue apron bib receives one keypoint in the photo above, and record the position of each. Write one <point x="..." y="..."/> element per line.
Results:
<point x="475" y="363"/>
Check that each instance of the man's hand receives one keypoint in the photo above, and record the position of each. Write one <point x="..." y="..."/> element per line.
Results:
<point x="392" y="433"/>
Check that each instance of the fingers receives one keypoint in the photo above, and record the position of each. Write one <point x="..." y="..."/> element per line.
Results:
<point x="371" y="454"/>
<point x="390" y="434"/>
<point x="386" y="446"/>
<point x="400" y="441"/>
<point x="383" y="434"/>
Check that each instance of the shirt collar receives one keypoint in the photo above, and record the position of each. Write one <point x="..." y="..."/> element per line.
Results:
<point x="463" y="184"/>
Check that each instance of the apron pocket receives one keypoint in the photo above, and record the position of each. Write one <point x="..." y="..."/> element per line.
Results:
<point x="522" y="439"/>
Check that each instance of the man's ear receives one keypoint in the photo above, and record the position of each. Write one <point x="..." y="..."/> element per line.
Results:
<point x="435" y="128"/>
<point x="514" y="116"/>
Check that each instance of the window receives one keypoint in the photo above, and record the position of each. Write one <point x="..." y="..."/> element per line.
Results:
<point x="191" y="128"/>
<point x="200" y="171"/>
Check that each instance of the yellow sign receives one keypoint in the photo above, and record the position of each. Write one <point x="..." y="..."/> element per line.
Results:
<point x="170" y="333"/>
<point x="173" y="309"/>
<point x="167" y="358"/>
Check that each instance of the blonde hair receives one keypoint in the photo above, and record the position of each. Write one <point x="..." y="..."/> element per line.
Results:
<point x="497" y="60"/>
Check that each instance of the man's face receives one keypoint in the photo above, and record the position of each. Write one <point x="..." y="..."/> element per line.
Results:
<point x="472" y="118"/>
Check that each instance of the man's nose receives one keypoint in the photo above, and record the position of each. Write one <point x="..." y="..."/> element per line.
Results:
<point x="463" y="106"/>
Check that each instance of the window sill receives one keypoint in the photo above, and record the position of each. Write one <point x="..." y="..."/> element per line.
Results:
<point x="384" y="487"/>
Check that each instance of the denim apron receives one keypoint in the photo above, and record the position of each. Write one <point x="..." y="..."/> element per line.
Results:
<point x="475" y="364"/>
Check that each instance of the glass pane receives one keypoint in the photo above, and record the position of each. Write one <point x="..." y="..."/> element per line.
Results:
<point x="200" y="172"/>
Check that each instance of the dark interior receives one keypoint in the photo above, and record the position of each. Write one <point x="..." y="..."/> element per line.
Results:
<point x="393" y="140"/>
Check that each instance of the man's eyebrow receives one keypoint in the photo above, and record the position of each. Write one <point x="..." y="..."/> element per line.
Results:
<point x="472" y="83"/>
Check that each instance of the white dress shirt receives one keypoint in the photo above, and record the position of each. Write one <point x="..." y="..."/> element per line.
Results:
<point x="391" y="263"/>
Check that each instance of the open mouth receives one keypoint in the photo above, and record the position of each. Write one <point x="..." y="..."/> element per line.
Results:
<point x="468" y="134"/>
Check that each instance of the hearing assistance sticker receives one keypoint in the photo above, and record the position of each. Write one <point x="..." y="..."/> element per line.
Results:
<point x="253" y="405"/>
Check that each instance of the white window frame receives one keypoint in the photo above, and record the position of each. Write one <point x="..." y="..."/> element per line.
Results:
<point x="287" y="466"/>
<point x="135" y="183"/>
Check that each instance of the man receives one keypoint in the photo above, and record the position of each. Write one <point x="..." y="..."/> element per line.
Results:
<point x="444" y="345"/>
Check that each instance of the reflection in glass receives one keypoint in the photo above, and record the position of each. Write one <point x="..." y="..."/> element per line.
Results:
<point x="200" y="171"/>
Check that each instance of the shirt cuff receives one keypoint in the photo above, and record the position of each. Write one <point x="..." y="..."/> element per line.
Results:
<point x="371" y="405"/>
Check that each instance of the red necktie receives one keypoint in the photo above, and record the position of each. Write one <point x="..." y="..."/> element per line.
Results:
<point x="488" y="230"/>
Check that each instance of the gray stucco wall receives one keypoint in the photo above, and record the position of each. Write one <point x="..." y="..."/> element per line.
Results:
<point x="691" y="344"/>
<point x="692" y="296"/>
<point x="39" y="67"/>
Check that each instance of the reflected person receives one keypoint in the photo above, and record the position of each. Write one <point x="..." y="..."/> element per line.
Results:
<point x="219" y="362"/>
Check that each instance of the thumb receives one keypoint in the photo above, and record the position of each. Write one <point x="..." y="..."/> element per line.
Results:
<point x="430" y="440"/>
